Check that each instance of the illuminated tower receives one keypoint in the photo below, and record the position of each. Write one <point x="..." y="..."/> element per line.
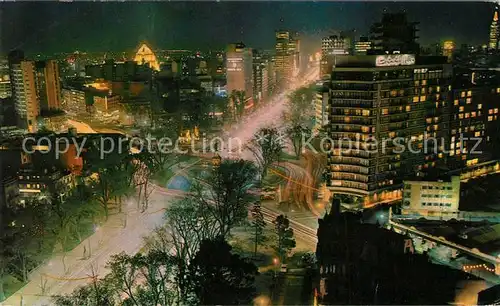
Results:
<point x="494" y="32"/>
<point x="448" y="49"/>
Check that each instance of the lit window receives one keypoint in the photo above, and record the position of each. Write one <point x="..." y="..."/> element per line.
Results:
<point x="469" y="93"/>
<point x="461" y="109"/>
<point x="490" y="111"/>
<point x="452" y="146"/>
<point x="438" y="88"/>
<point x="473" y="114"/>
<point x="385" y="111"/>
<point x="417" y="83"/>
<point x="477" y="134"/>
<point x="428" y="120"/>
<point x="466" y="115"/>
<point x="468" y="101"/>
<point x="460" y="116"/>
<point x="438" y="96"/>
<point x="424" y="82"/>
<point x="455" y="102"/>
<point x="415" y="99"/>
<point x="462" y="94"/>
<point x="496" y="110"/>
<point x="366" y="112"/>
<point x="392" y="134"/>
<point x="498" y="90"/>
<point x="479" y="106"/>
<point x="408" y="108"/>
<point x="490" y="118"/>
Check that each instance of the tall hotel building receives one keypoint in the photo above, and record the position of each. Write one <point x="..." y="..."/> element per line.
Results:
<point x="24" y="90"/>
<point x="239" y="69"/>
<point x="393" y="99"/>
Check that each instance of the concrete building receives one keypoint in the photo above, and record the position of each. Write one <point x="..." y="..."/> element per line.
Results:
<point x="387" y="98"/>
<point x="431" y="197"/>
<point x="321" y="107"/>
<point x="48" y="85"/>
<point x="24" y="90"/>
<point x="74" y="100"/>
<point x="239" y="69"/>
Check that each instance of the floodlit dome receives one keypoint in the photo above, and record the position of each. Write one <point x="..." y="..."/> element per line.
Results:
<point x="146" y="56"/>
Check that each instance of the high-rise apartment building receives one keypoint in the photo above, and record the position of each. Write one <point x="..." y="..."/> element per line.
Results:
<point x="474" y="121"/>
<point x="24" y="90"/>
<point x="494" y="33"/>
<point x="448" y="49"/>
<point x="287" y="58"/>
<point x="379" y="105"/>
<point x="239" y="70"/>
<point x="48" y="85"/>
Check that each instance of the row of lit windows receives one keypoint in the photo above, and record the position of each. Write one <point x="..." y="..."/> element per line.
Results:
<point x="29" y="186"/>
<point x="439" y="196"/>
<point x="427" y="187"/>
<point x="436" y="204"/>
<point x="28" y="177"/>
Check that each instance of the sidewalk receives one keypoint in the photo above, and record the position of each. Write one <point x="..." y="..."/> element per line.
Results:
<point x="111" y="238"/>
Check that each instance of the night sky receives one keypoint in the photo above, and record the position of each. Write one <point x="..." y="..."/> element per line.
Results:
<point x="54" y="27"/>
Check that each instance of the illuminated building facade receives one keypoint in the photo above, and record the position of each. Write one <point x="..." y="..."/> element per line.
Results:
<point x="287" y="58"/>
<point x="362" y="46"/>
<point x="24" y="89"/>
<point x="48" y="85"/>
<point x="239" y="69"/>
<point x="335" y="45"/>
<point x="146" y="56"/>
<point x="448" y="49"/>
<point x="474" y="123"/>
<point x="430" y="197"/>
<point x="387" y="98"/>
<point x="493" y="43"/>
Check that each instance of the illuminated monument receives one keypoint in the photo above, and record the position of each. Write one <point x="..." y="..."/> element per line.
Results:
<point x="146" y="56"/>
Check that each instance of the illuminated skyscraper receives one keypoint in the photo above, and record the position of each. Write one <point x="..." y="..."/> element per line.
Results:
<point x="239" y="69"/>
<point x="287" y="59"/>
<point x="494" y="32"/>
<point x="23" y="80"/>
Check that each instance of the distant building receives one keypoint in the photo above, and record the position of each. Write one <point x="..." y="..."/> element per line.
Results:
<point x="74" y="100"/>
<point x="430" y="197"/>
<point x="287" y="54"/>
<point x="48" y="85"/>
<point x="239" y="69"/>
<point x="146" y="56"/>
<point x="24" y="90"/>
<point x="448" y="49"/>
<point x="335" y="45"/>
<point x="362" y="46"/>
<point x="394" y="34"/>
<point x="494" y="32"/>
<point x="321" y="108"/>
<point x="5" y="86"/>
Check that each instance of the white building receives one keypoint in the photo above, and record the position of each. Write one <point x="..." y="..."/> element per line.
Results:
<point x="431" y="198"/>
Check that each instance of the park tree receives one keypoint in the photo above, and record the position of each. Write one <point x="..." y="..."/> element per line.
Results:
<point x="220" y="277"/>
<point x="300" y="108"/>
<point x="297" y="134"/>
<point x="97" y="292"/>
<point x="284" y="234"/>
<point x="226" y="193"/>
<point x="238" y="99"/>
<point x="266" y="146"/>
<point x="257" y="225"/>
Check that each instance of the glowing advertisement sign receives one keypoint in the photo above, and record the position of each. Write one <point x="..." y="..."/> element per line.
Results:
<point x="395" y="60"/>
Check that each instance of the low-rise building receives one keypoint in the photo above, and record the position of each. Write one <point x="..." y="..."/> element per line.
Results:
<point x="431" y="197"/>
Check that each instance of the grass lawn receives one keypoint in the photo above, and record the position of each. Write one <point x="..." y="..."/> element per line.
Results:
<point x="11" y="285"/>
